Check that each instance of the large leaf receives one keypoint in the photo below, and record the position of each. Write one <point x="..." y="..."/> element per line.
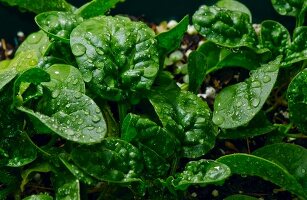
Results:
<point x="236" y="105"/>
<point x="245" y="164"/>
<point x="57" y="24"/>
<point x="73" y="116"/>
<point x="297" y="100"/>
<point x="225" y="27"/>
<point x="292" y="157"/>
<point x="112" y="160"/>
<point x="188" y="118"/>
<point x="38" y="6"/>
<point x="117" y="56"/>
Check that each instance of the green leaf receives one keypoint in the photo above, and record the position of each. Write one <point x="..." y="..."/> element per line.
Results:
<point x="188" y="118"/>
<point x="66" y="186"/>
<point x="234" y="6"/>
<point x="240" y="197"/>
<point x="297" y="51"/>
<point x="139" y="129"/>
<point x="65" y="76"/>
<point x="38" y="197"/>
<point x="288" y="7"/>
<point x="197" y="67"/>
<point x="297" y="100"/>
<point x="38" y="42"/>
<point x="96" y="7"/>
<point x="259" y="125"/>
<point x="6" y="73"/>
<point x="236" y="105"/>
<point x="38" y="6"/>
<point x="275" y="37"/>
<point x="73" y="116"/>
<point x="201" y="172"/>
<point x="292" y="157"/>
<point x="58" y="24"/>
<point x="171" y="40"/>
<point x="245" y="164"/>
<point x="112" y="160"/>
<point x="225" y="27"/>
<point x="116" y="56"/>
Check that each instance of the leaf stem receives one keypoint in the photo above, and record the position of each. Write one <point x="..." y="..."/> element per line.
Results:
<point x="122" y="111"/>
<point x="298" y="136"/>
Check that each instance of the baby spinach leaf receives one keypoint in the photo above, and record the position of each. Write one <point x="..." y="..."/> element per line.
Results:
<point x="225" y="27"/>
<point x="66" y="186"/>
<point x="112" y="160"/>
<point x="71" y="115"/>
<point x="240" y="197"/>
<point x="65" y="76"/>
<point x="117" y="56"/>
<point x="188" y="118"/>
<point x="245" y="164"/>
<point x="259" y="125"/>
<point x="197" y="67"/>
<point x="38" y="6"/>
<point x="297" y="51"/>
<point x="288" y="7"/>
<point x="96" y="7"/>
<point x="236" y="105"/>
<point x="171" y="40"/>
<point x="58" y="24"/>
<point x="292" y="157"/>
<point x="38" y="197"/>
<point x="145" y="131"/>
<point x="6" y="73"/>
<point x="275" y="37"/>
<point x="297" y="100"/>
<point x="234" y="6"/>
<point x="201" y="172"/>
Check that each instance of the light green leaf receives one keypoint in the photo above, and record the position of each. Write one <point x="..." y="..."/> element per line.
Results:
<point x="38" y="197"/>
<point x="234" y="6"/>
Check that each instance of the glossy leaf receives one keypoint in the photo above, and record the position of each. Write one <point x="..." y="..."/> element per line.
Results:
<point x="6" y="74"/>
<point x="292" y="157"/>
<point x="245" y="164"/>
<point x="297" y="100"/>
<point x="138" y="129"/>
<point x="96" y="7"/>
<point x="38" y="6"/>
<point x="171" y="40"/>
<point x="288" y="7"/>
<point x="197" y="67"/>
<point x="112" y="160"/>
<point x="225" y="27"/>
<point x="259" y="125"/>
<point x="275" y="37"/>
<point x="188" y="118"/>
<point x="73" y="116"/>
<point x="116" y="56"/>
<point x="240" y="197"/>
<point x="57" y="24"/>
<point x="236" y="105"/>
<point x="38" y="197"/>
<point x="201" y="172"/>
<point x="297" y="51"/>
<point x="66" y="186"/>
<point x="65" y="76"/>
<point x="234" y="6"/>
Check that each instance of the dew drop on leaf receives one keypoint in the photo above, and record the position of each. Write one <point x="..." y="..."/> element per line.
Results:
<point x="256" y="84"/>
<point x="96" y="118"/>
<point x="78" y="49"/>
<point x="255" y="102"/>
<point x="218" y="119"/>
<point x="35" y="38"/>
<point x="266" y="79"/>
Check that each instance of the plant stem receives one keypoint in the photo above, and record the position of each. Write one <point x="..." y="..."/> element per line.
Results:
<point x="298" y="135"/>
<point x="122" y="111"/>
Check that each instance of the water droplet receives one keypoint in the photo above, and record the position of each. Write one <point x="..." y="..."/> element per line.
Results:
<point x="100" y="130"/>
<point x="78" y="49"/>
<point x="256" y="84"/>
<point x="99" y="50"/>
<point x="255" y="102"/>
<point x="97" y="110"/>
<point x="303" y="171"/>
<point x="80" y="122"/>
<point x="239" y="103"/>
<point x="68" y="105"/>
<point x="32" y="62"/>
<point x="78" y="95"/>
<point x="218" y="119"/>
<point x="266" y="79"/>
<point x="87" y="76"/>
<point x="75" y="82"/>
<point x="150" y="72"/>
<point x="96" y="118"/>
<point x="55" y="93"/>
<point x="35" y="38"/>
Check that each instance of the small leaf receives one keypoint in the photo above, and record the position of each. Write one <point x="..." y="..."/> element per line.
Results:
<point x="245" y="164"/>
<point x="297" y="100"/>
<point x="197" y="67"/>
<point x="292" y="157"/>
<point x="66" y="186"/>
<point x="96" y="7"/>
<point x="38" y="197"/>
<point x="225" y="27"/>
<point x="201" y="172"/>
<point x="6" y="74"/>
<point x="171" y="40"/>
<point x="234" y="6"/>
<point x="288" y="7"/>
<point x="57" y="24"/>
<point x="73" y="116"/>
<point x="236" y="105"/>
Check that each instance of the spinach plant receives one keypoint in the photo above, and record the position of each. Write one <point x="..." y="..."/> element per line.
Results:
<point x="89" y="111"/>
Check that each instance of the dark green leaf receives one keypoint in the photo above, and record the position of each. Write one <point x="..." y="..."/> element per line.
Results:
<point x="197" y="68"/>
<point x="188" y="118"/>
<point x="234" y="6"/>
<point x="38" y="197"/>
<point x="117" y="56"/>
<point x="96" y="7"/>
<point x="288" y="7"/>
<point x="292" y="157"/>
<point x="171" y="40"/>
<point x="112" y="160"/>
<point x="236" y="105"/>
<point x="73" y="116"/>
<point x="245" y="164"/>
<point x="225" y="27"/>
<point x="58" y="24"/>
<point x="66" y="186"/>
<point x="240" y="197"/>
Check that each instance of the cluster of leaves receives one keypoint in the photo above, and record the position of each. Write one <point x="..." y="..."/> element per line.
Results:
<point x="86" y="102"/>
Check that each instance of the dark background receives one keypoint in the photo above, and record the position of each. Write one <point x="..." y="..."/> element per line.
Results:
<point x="12" y="20"/>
